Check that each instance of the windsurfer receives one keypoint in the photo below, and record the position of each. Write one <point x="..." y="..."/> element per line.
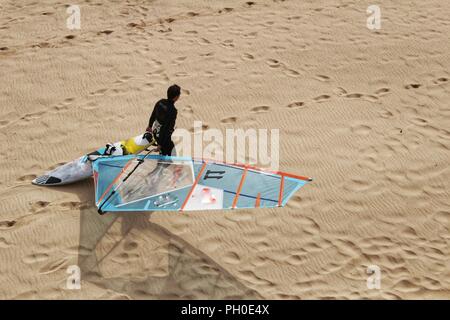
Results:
<point x="162" y="121"/>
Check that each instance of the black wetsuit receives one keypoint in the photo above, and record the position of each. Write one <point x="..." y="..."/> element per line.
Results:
<point x="162" y="124"/>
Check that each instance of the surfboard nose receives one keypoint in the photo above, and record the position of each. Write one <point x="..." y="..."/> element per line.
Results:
<point x="46" y="180"/>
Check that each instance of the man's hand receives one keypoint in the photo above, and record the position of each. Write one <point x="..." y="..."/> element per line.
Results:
<point x="148" y="135"/>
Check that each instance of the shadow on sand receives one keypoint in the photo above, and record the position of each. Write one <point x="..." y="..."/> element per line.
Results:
<point x="165" y="267"/>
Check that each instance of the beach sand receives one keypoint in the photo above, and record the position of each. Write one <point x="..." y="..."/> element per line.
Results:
<point x="366" y="113"/>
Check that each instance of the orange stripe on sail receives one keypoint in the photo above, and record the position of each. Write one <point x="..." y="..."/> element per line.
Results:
<point x="115" y="180"/>
<point x="290" y="175"/>
<point x="258" y="200"/>
<point x="280" y="196"/>
<point x="193" y="186"/>
<point x="95" y="178"/>
<point x="239" y="189"/>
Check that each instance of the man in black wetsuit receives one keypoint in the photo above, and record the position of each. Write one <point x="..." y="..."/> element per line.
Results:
<point x="162" y="120"/>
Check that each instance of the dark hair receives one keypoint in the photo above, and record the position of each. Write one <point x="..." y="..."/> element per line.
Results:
<point x="173" y="92"/>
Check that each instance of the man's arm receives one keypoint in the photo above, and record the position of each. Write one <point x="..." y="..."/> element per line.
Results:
<point x="152" y="119"/>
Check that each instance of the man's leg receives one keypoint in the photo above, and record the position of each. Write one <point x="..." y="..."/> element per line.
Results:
<point x="166" y="150"/>
<point x="162" y="164"/>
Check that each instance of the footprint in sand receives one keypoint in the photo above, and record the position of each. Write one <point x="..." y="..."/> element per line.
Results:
<point x="248" y="56"/>
<point x="35" y="257"/>
<point x="73" y="205"/>
<point x="339" y="91"/>
<point x="250" y="35"/>
<point x="386" y="114"/>
<point x="148" y="86"/>
<point x="204" y="41"/>
<point x="322" y="78"/>
<point x="125" y="257"/>
<point x="207" y="54"/>
<point x="4" y="225"/>
<point x="98" y="92"/>
<point x="130" y="246"/>
<point x="32" y="116"/>
<point x="296" y="105"/>
<point x="291" y="72"/>
<point x="260" y="109"/>
<point x="105" y="32"/>
<point x="322" y="98"/>
<point x="295" y="260"/>
<point x="229" y="120"/>
<point x="354" y="95"/>
<point x="413" y="86"/>
<point x="273" y="63"/>
<point x="361" y="129"/>
<point x="90" y="105"/>
<point x="181" y="74"/>
<point x="227" y="44"/>
<point x="125" y="78"/>
<point x="225" y="10"/>
<point x="440" y="80"/>
<point x="203" y="128"/>
<point x="136" y="25"/>
<point x="188" y="111"/>
<point x="382" y="92"/>
<point x="58" y="108"/>
<point x="362" y="96"/>
<point x="419" y="122"/>
<point x="163" y="29"/>
<point x="39" y="205"/>
<point x="179" y="60"/>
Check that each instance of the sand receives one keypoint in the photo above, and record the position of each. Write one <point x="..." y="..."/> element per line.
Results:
<point x="364" y="112"/>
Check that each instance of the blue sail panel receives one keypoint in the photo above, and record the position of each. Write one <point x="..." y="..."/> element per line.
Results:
<point x="154" y="183"/>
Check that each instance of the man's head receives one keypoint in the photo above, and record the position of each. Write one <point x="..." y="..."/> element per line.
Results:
<point x="173" y="93"/>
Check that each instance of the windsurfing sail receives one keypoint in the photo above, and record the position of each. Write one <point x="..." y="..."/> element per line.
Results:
<point x="154" y="182"/>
